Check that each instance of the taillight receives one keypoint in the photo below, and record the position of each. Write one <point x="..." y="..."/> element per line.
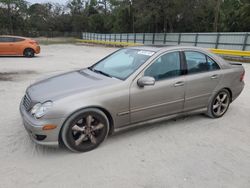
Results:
<point x="242" y="76"/>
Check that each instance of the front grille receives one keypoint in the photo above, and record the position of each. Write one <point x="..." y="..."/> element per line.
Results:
<point x="27" y="102"/>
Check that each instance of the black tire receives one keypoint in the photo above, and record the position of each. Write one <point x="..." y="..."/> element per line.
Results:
<point x="29" y="52"/>
<point x="80" y="133"/>
<point x="217" y="108"/>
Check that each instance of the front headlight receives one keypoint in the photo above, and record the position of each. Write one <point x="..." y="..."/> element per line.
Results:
<point x="40" y="109"/>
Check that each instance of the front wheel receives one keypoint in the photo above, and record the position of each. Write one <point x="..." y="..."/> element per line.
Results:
<point x="85" y="130"/>
<point x="219" y="104"/>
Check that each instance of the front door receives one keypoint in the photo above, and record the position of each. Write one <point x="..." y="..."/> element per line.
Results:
<point x="6" y="46"/>
<point x="165" y="97"/>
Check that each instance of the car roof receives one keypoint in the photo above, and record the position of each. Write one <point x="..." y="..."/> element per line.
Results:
<point x="13" y="36"/>
<point x="162" y="48"/>
<point x="156" y="48"/>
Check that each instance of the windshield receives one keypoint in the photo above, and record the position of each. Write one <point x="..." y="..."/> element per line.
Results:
<point x="122" y="63"/>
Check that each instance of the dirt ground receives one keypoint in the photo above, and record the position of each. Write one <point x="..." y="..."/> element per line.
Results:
<point x="194" y="151"/>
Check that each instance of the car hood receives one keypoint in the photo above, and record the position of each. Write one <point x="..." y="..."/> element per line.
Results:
<point x="68" y="84"/>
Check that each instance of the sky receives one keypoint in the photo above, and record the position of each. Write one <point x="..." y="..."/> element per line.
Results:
<point x="44" y="1"/>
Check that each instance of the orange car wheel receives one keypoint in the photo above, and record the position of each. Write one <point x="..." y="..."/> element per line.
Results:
<point x="29" y="52"/>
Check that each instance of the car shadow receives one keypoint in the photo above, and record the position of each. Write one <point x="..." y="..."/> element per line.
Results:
<point x="147" y="126"/>
<point x="12" y="76"/>
<point x="165" y="124"/>
<point x="14" y="56"/>
<point x="121" y="135"/>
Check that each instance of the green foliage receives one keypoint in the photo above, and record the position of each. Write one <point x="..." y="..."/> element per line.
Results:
<point x="106" y="16"/>
<point x="235" y="15"/>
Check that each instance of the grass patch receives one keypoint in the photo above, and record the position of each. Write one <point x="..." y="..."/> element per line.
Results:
<point x="108" y="43"/>
<point x="56" y="40"/>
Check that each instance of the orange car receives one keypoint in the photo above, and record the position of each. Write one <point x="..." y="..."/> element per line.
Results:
<point x="13" y="45"/>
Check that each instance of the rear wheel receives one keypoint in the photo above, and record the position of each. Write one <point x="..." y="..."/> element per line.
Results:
<point x="85" y="130"/>
<point x="219" y="105"/>
<point x="28" y="52"/>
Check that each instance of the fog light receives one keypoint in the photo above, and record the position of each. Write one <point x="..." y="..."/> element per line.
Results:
<point x="40" y="137"/>
<point x="49" y="127"/>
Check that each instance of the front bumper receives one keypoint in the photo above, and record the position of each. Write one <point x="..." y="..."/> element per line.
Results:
<point x="37" y="134"/>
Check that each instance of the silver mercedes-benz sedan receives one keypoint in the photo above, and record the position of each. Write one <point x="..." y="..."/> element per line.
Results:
<point x="130" y="87"/>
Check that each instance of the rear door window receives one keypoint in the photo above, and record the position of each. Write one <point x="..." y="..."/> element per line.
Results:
<point x="212" y="64"/>
<point x="198" y="62"/>
<point x="6" y="39"/>
<point x="17" y="39"/>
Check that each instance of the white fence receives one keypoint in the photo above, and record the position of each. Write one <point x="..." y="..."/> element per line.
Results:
<point x="234" y="41"/>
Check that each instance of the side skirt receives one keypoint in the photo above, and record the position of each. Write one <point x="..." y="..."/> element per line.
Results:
<point x="160" y="119"/>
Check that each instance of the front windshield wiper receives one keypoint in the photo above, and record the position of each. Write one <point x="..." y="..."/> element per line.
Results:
<point x="100" y="72"/>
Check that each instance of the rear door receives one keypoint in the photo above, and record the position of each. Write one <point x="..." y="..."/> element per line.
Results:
<point x="16" y="46"/>
<point x="203" y="75"/>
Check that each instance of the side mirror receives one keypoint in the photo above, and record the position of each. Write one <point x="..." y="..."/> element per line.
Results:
<point x="146" y="81"/>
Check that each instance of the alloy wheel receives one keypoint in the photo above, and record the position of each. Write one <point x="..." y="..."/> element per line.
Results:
<point x="221" y="103"/>
<point x="87" y="129"/>
<point x="29" y="53"/>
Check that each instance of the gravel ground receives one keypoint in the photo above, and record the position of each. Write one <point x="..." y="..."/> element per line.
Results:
<point x="194" y="151"/>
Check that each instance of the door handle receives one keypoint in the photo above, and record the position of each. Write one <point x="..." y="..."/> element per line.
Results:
<point x="214" y="76"/>
<point x="177" y="84"/>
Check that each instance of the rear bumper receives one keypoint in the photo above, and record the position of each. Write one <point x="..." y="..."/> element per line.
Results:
<point x="37" y="49"/>
<point x="37" y="134"/>
<point x="237" y="90"/>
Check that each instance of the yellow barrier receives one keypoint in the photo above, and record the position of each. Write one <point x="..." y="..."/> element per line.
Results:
<point x="231" y="52"/>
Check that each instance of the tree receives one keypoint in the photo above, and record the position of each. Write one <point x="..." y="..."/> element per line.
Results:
<point x="40" y="16"/>
<point x="20" y="17"/>
<point x="15" y="11"/>
<point x="217" y="14"/>
<point x="78" y="18"/>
